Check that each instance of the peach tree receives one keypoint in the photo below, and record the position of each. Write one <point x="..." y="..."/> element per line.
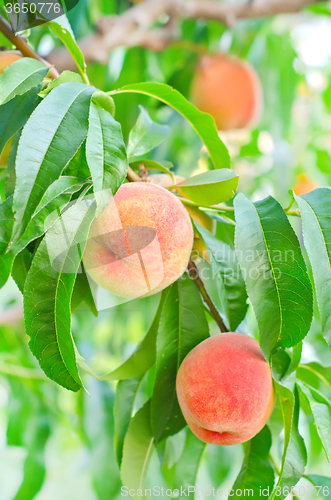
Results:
<point x="67" y="153"/>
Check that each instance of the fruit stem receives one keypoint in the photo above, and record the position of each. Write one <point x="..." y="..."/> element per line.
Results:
<point x="22" y="45"/>
<point x="132" y="176"/>
<point x="194" y="273"/>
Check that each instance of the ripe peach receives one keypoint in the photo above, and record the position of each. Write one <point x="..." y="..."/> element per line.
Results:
<point x="141" y="242"/>
<point x="228" y="89"/>
<point x="7" y="57"/>
<point x="225" y="390"/>
<point x="305" y="185"/>
<point x="197" y="215"/>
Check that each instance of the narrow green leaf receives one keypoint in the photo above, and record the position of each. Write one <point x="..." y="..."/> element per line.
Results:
<point x="274" y="271"/>
<point x="20" y="268"/>
<point x="323" y="485"/>
<point x="317" y="371"/>
<point x="105" y="150"/>
<point x="315" y="212"/>
<point x="66" y="76"/>
<point x="144" y="356"/>
<point x="48" y="211"/>
<point x="125" y="397"/>
<point x="187" y="467"/>
<point x="183" y="325"/>
<point x="20" y="76"/>
<point x="78" y="167"/>
<point x="228" y="277"/>
<point x="34" y="465"/>
<point x="320" y="409"/>
<point x="295" y="360"/>
<point x="294" y="457"/>
<point x="256" y="473"/>
<point x="15" y="113"/>
<point x="210" y="188"/>
<point x="6" y="227"/>
<point x="63" y="117"/>
<point x="65" y="34"/>
<point x="11" y="174"/>
<point x="145" y="135"/>
<point x="82" y="293"/>
<point x="48" y="291"/>
<point x="203" y="123"/>
<point x="105" y="101"/>
<point x="137" y="451"/>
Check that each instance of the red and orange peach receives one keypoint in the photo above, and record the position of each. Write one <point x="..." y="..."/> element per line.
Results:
<point x="141" y="242"/>
<point x="228" y="89"/>
<point x="225" y="389"/>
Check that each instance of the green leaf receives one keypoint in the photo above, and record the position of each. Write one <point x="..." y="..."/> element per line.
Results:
<point x="20" y="268"/>
<point x="48" y="211"/>
<point x="274" y="271"/>
<point x="48" y="291"/>
<point x="34" y="465"/>
<point x="82" y="293"/>
<point x="294" y="457"/>
<point x="6" y="227"/>
<point x="324" y="483"/>
<point x="125" y="397"/>
<point x="105" y="151"/>
<point x="203" y="123"/>
<point x="295" y="360"/>
<point x="210" y="188"/>
<point x="66" y="76"/>
<point x="320" y="409"/>
<point x="145" y="135"/>
<point x="65" y="34"/>
<point x="229" y="281"/>
<point x="105" y="101"/>
<point x="256" y="473"/>
<point x="20" y="76"/>
<point x="144" y="356"/>
<point x="187" y="467"/>
<point x="11" y="174"/>
<point x="15" y="113"/>
<point x="78" y="167"/>
<point x="183" y="325"/>
<point x="317" y="371"/>
<point x="315" y="212"/>
<point x="63" y="118"/>
<point x="138" y="449"/>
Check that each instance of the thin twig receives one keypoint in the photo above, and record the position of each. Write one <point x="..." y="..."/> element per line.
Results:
<point x="22" y="45"/>
<point x="194" y="273"/>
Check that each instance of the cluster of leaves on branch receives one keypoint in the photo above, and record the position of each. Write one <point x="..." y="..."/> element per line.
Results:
<point x="67" y="147"/>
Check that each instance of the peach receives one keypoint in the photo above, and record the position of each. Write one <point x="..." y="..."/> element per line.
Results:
<point x="141" y="242"/>
<point x="197" y="215"/>
<point x="228" y="89"/>
<point x="225" y="389"/>
<point x="7" y="57"/>
<point x="305" y="185"/>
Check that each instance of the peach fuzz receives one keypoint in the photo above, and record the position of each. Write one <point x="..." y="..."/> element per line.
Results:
<point x="225" y="389"/>
<point x="7" y="57"/>
<point x="141" y="243"/>
<point x="228" y="89"/>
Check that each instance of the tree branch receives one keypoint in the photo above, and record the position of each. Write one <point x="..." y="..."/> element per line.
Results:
<point x="135" y="27"/>
<point x="21" y="44"/>
<point x="194" y="273"/>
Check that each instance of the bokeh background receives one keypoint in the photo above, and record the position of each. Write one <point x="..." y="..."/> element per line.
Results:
<point x="56" y="445"/>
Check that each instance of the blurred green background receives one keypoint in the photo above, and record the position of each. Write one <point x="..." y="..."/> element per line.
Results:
<point x="57" y="445"/>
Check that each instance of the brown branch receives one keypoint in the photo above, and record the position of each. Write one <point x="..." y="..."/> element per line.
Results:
<point x="21" y="44"/>
<point x="135" y="27"/>
<point x="194" y="273"/>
